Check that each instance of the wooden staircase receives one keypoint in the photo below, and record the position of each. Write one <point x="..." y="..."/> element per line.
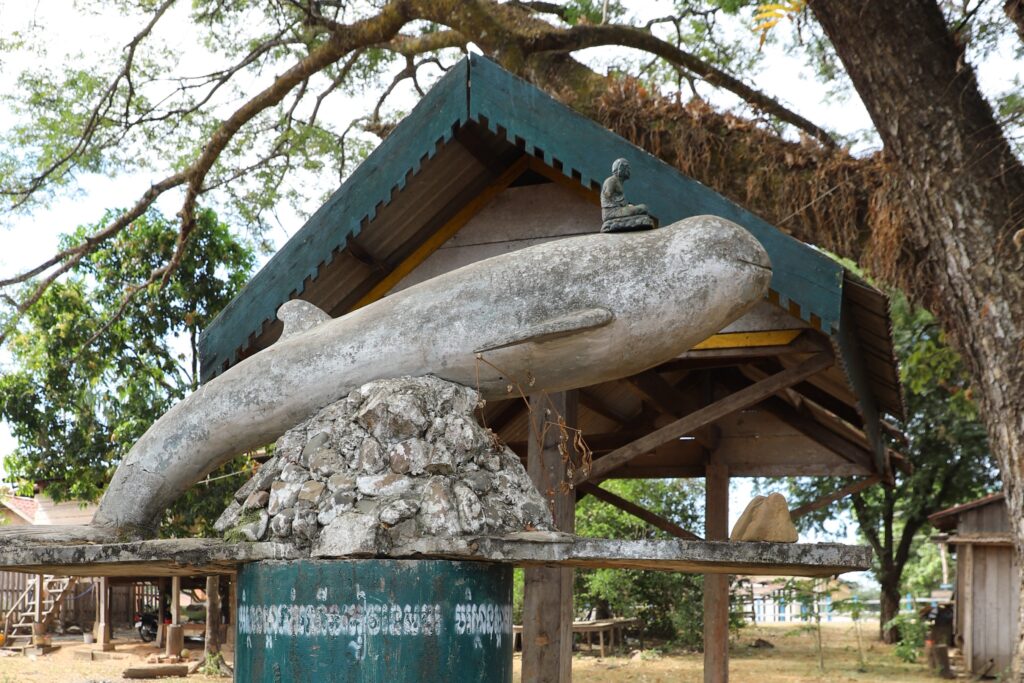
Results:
<point x="17" y="624"/>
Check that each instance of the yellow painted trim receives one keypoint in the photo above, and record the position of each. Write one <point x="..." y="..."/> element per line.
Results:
<point x="446" y="232"/>
<point x="739" y="340"/>
<point x="557" y="177"/>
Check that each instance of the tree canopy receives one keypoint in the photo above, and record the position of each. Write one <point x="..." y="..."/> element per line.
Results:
<point x="81" y="391"/>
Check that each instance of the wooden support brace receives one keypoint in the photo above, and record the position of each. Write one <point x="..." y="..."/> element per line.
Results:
<point x="637" y="511"/>
<point x="807" y="425"/>
<point x="743" y="398"/>
<point x="828" y="499"/>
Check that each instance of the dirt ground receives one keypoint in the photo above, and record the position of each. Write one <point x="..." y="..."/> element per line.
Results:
<point x="792" y="660"/>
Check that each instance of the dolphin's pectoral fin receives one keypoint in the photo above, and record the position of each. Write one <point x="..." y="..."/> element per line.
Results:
<point x="299" y="316"/>
<point x="553" y="328"/>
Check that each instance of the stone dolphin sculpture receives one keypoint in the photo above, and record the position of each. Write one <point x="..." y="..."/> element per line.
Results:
<point x="560" y="315"/>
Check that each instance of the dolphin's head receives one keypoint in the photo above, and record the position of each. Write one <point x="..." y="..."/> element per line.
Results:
<point x="687" y="281"/>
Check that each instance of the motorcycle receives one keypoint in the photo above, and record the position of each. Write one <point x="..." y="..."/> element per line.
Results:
<point x="145" y="624"/>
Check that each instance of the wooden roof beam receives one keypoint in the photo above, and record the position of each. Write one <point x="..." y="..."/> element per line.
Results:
<point x="598" y="406"/>
<point x="637" y="511"/>
<point x="744" y="398"/>
<point x="807" y="425"/>
<point x="828" y="499"/>
<point x="830" y="402"/>
<point x="668" y="400"/>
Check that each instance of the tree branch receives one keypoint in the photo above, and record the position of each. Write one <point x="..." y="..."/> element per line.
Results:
<point x="104" y="104"/>
<point x="584" y="36"/>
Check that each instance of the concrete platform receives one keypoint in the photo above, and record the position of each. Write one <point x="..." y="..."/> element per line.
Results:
<point x="197" y="556"/>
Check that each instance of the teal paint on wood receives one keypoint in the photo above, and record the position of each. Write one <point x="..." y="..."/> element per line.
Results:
<point x="552" y="131"/>
<point x="852" y="357"/>
<point x="380" y="621"/>
<point x="370" y="185"/>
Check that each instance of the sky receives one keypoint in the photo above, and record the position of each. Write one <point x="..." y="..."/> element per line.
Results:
<point x="27" y="240"/>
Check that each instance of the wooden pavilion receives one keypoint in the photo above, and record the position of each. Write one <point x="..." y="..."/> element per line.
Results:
<point x="486" y="164"/>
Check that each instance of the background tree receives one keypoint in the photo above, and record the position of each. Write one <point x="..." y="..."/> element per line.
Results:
<point x="668" y="604"/>
<point x="76" y="407"/>
<point x="946" y="444"/>
<point x="935" y="212"/>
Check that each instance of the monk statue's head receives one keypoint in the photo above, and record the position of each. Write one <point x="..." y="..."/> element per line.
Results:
<point x="620" y="168"/>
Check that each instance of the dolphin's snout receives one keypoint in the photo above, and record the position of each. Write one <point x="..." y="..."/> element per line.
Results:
<point x="734" y="243"/>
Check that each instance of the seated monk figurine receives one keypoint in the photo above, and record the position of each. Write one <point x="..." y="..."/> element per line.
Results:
<point x="616" y="214"/>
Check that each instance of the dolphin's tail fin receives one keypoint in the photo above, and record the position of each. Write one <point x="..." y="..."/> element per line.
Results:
<point x="58" y="534"/>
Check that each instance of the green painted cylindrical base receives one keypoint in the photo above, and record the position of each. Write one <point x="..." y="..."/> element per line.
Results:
<point x="385" y="621"/>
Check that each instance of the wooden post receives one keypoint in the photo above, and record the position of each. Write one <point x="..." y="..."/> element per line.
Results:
<point x="40" y="587"/>
<point x="103" y="634"/>
<point x="39" y="637"/>
<point x="232" y="617"/>
<point x="175" y="632"/>
<point x="212" y="640"/>
<point x="161" y="614"/>
<point x="716" y="586"/>
<point x="547" y="600"/>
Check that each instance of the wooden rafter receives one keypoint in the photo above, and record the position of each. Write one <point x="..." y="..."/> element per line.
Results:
<point x="804" y="423"/>
<point x="744" y="398"/>
<point x="637" y="511"/>
<point x="596" y="405"/>
<point x="828" y="499"/>
<point x="669" y="400"/>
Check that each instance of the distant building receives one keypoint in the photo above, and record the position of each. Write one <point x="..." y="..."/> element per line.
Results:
<point x="987" y="582"/>
<point x="775" y="599"/>
<point x="41" y="510"/>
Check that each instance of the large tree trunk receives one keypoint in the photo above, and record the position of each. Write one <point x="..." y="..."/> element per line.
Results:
<point x="890" y="607"/>
<point x="963" y="192"/>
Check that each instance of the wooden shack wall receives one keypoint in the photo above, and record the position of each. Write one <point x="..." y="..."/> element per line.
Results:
<point x="989" y="599"/>
<point x="986" y="519"/>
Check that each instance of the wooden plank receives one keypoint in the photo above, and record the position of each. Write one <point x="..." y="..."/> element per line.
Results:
<point x="965" y="600"/>
<point x="434" y="242"/>
<point x="738" y="401"/>
<point x="807" y="425"/>
<point x="637" y="511"/>
<point x="547" y="600"/>
<point x="744" y="340"/>
<point x="716" y="586"/>
<point x="828" y="499"/>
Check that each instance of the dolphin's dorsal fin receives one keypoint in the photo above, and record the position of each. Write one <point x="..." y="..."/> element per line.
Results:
<point x="553" y="328"/>
<point x="299" y="316"/>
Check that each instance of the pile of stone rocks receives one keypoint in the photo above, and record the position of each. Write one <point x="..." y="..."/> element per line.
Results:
<point x="396" y="461"/>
